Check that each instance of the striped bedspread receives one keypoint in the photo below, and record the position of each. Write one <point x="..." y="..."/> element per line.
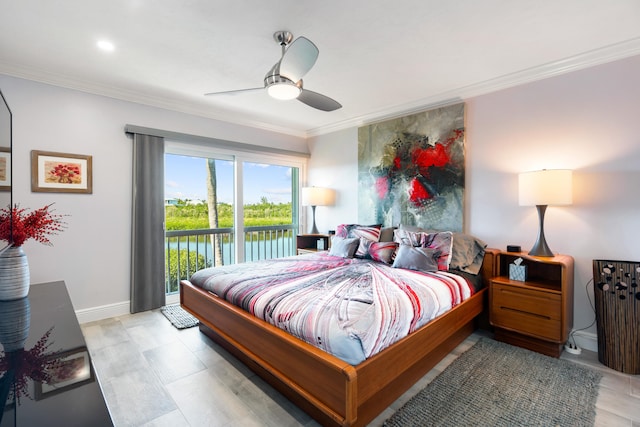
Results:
<point x="351" y="308"/>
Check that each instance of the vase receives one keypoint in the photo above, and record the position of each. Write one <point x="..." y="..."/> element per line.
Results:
<point x="15" y="318"/>
<point x="14" y="274"/>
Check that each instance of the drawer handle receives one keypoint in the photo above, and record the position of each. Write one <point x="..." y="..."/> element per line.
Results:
<point x="525" y="312"/>
<point x="543" y="297"/>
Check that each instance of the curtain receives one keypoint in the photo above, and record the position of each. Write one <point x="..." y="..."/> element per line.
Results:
<point x="147" y="250"/>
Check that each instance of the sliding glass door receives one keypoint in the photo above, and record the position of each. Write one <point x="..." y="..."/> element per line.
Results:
<point x="199" y="215"/>
<point x="223" y="208"/>
<point x="269" y="210"/>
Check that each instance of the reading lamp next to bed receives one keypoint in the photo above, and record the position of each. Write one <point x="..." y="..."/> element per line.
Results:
<point x="540" y="189"/>
<point x="317" y="196"/>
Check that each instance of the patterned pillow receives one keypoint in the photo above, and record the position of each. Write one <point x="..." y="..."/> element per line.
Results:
<point x="407" y="237"/>
<point x="342" y="230"/>
<point x="366" y="233"/>
<point x="440" y="241"/>
<point x="382" y="251"/>
<point x="416" y="258"/>
<point x="467" y="251"/>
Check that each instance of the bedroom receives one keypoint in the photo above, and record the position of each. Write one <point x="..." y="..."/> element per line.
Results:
<point x="584" y="120"/>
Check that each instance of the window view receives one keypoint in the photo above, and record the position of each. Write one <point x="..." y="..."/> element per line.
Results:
<point x="268" y="210"/>
<point x="200" y="206"/>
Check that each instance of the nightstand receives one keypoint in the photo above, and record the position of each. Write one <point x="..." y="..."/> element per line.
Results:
<point x="536" y="313"/>
<point x="306" y="243"/>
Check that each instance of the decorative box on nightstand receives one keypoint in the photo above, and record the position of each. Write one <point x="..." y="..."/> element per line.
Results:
<point x="306" y="243"/>
<point x="536" y="313"/>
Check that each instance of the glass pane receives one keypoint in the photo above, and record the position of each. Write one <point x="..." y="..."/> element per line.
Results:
<point x="269" y="215"/>
<point x="199" y="209"/>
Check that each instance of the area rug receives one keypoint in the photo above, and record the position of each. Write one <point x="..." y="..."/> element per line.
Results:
<point x="496" y="384"/>
<point x="178" y="317"/>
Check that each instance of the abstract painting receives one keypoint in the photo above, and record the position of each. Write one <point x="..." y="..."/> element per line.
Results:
<point x="411" y="170"/>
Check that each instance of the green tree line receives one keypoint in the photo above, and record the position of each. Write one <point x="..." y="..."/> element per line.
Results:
<point x="187" y="216"/>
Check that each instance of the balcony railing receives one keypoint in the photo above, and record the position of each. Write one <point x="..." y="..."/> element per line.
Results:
<point x="187" y="251"/>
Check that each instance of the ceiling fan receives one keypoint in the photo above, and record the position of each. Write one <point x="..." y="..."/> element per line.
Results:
<point x="284" y="79"/>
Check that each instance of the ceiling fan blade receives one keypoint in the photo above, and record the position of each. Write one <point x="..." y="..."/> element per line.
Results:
<point x="235" y="92"/>
<point x="319" y="101"/>
<point x="298" y="59"/>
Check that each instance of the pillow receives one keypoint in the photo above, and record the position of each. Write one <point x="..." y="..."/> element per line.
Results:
<point x="386" y="234"/>
<point x="366" y="233"/>
<point x="408" y="237"/>
<point x="416" y="258"/>
<point x="382" y="251"/>
<point x="343" y="247"/>
<point x="467" y="253"/>
<point x="343" y="230"/>
<point x="441" y="241"/>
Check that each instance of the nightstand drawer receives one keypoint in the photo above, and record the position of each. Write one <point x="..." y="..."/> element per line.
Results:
<point x="528" y="311"/>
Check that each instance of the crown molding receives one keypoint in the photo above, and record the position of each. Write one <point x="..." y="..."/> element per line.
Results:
<point x="139" y="98"/>
<point x="585" y="60"/>
<point x="588" y="59"/>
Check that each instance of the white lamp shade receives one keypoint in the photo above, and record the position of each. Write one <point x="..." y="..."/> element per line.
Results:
<point x="317" y="196"/>
<point x="546" y="187"/>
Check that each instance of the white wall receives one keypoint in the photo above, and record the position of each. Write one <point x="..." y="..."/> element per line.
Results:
<point x="93" y="255"/>
<point x="587" y="121"/>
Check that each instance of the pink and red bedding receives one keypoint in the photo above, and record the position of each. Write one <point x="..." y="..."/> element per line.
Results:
<point x="349" y="307"/>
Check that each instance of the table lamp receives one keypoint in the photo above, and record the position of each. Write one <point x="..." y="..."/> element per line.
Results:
<point x="317" y="196"/>
<point x="541" y="189"/>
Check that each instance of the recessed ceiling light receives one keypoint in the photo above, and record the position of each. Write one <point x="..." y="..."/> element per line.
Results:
<point x="106" y="45"/>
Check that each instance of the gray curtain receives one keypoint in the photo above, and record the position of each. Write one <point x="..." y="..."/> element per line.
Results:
<point x="147" y="250"/>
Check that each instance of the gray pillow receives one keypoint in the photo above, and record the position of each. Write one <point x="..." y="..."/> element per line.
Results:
<point x="386" y="234"/>
<point x="416" y="258"/>
<point x="467" y="252"/>
<point x="344" y="247"/>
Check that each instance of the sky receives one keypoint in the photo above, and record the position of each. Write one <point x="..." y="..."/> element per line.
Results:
<point x="186" y="178"/>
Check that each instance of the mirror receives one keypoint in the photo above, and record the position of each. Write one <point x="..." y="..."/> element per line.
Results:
<point x="5" y="163"/>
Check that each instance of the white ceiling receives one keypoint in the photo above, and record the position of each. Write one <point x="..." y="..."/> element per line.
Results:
<point x="379" y="59"/>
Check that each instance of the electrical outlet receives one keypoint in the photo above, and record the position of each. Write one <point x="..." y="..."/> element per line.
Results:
<point x="572" y="348"/>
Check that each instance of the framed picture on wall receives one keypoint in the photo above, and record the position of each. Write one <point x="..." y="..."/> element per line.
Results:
<point x="5" y="169"/>
<point x="61" y="172"/>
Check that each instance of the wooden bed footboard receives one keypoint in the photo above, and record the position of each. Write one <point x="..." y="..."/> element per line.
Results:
<point x="326" y="387"/>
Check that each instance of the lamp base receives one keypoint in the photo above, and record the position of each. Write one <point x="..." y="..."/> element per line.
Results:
<point x="540" y="248"/>
<point x="314" y="229"/>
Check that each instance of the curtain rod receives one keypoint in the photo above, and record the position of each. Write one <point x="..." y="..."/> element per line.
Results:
<point x="220" y="143"/>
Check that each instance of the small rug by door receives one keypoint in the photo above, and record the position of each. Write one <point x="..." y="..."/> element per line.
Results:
<point x="178" y="317"/>
<point x="496" y="384"/>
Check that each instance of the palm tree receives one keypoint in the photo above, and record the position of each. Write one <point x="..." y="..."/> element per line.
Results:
<point x="212" y="204"/>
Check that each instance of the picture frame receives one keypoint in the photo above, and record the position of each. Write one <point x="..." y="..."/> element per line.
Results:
<point x="61" y="172"/>
<point x="73" y="370"/>
<point x="5" y="169"/>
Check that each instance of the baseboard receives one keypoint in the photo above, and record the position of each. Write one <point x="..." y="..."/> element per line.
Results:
<point x="586" y="340"/>
<point x="103" y="312"/>
<point x="112" y="310"/>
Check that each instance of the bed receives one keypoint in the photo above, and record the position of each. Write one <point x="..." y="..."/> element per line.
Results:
<point x="330" y="389"/>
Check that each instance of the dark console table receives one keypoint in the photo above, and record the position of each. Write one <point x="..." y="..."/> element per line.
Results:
<point x="44" y="361"/>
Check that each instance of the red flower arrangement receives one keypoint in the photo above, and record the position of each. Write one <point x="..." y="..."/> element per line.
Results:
<point x="24" y="364"/>
<point x="17" y="225"/>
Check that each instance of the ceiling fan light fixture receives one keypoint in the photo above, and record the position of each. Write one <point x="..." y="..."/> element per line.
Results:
<point x="283" y="91"/>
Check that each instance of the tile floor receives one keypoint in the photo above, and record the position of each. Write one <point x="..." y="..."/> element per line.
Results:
<point x="155" y="375"/>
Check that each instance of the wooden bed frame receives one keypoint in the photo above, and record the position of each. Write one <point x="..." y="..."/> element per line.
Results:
<point x="329" y="389"/>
